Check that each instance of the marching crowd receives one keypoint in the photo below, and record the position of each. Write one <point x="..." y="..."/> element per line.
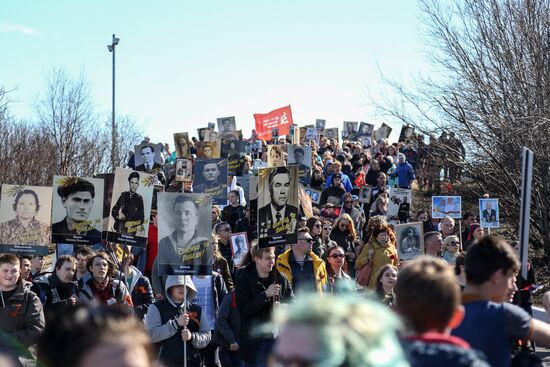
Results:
<point x="340" y="296"/>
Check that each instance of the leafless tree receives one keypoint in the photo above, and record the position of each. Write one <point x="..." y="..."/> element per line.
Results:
<point x="491" y="86"/>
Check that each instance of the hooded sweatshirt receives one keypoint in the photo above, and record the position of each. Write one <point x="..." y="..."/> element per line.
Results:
<point x="165" y="332"/>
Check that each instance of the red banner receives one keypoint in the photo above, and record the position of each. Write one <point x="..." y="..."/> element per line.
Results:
<point x="281" y="118"/>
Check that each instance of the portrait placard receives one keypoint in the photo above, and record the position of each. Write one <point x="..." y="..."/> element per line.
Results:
<point x="383" y="132"/>
<point x="406" y="134"/>
<point x="275" y="156"/>
<point x="77" y="210"/>
<point x="156" y="190"/>
<point x="108" y="182"/>
<point x="239" y="247"/>
<point x="25" y="214"/>
<point x="305" y="202"/>
<point x="253" y="201"/>
<point x="147" y="157"/>
<point x="446" y="205"/>
<point x="226" y="124"/>
<point x="410" y="240"/>
<point x="234" y="151"/>
<point x="365" y="129"/>
<point x="211" y="179"/>
<point x="365" y="194"/>
<point x="130" y="207"/>
<point x="184" y="232"/>
<point x="315" y="195"/>
<point x="182" y="145"/>
<point x="184" y="169"/>
<point x="399" y="205"/>
<point x="300" y="156"/>
<point x="331" y="133"/>
<point x="202" y="132"/>
<point x="349" y="130"/>
<point x="320" y="125"/>
<point x="489" y="213"/>
<point x="311" y="134"/>
<point x="277" y="206"/>
<point x="208" y="149"/>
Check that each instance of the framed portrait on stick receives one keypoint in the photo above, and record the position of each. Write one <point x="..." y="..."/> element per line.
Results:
<point x="410" y="240"/>
<point x="489" y="213"/>
<point x="25" y="214"/>
<point x="130" y="207"/>
<point x="77" y="210"/>
<point x="211" y="179"/>
<point x="184" y="232"/>
<point x="278" y="206"/>
<point x="239" y="247"/>
<point x="446" y="205"/>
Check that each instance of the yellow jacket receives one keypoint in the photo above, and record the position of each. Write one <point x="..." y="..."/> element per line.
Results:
<point x="319" y="269"/>
<point x="382" y="255"/>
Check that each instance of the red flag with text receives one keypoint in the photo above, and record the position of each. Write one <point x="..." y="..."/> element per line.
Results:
<point x="280" y="118"/>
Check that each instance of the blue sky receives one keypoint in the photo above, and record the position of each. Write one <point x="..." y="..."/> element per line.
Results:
<point x="181" y="64"/>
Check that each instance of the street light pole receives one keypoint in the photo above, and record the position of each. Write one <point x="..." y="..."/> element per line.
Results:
<point x="111" y="49"/>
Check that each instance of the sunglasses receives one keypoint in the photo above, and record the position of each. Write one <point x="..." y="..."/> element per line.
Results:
<point x="327" y="228"/>
<point x="453" y="243"/>
<point x="335" y="256"/>
<point x="308" y="240"/>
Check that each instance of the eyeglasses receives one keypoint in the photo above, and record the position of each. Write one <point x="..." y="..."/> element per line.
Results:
<point x="308" y="240"/>
<point x="335" y="256"/>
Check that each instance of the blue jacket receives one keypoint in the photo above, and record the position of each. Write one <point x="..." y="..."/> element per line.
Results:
<point x="345" y="181"/>
<point x="405" y="175"/>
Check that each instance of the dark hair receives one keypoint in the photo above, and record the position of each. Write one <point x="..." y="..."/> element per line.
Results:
<point x="63" y="259"/>
<point x="28" y="192"/>
<point x="277" y="171"/>
<point x="103" y="255"/>
<point x="488" y="255"/>
<point x="133" y="175"/>
<point x="148" y="146"/>
<point x="460" y="260"/>
<point x="428" y="236"/>
<point x="299" y="150"/>
<point x="311" y="222"/>
<point x="75" y="332"/>
<point x="237" y="193"/>
<point x="467" y="215"/>
<point x="10" y="259"/>
<point x="219" y="225"/>
<point x="84" y="250"/>
<point x="75" y="184"/>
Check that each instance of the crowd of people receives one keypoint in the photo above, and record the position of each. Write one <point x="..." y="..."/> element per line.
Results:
<point x="339" y="296"/>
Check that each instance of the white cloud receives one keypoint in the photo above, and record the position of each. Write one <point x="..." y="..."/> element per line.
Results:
<point x="17" y="28"/>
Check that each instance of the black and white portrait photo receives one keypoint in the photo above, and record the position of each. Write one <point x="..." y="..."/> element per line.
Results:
<point x="234" y="151"/>
<point x="410" y="240"/>
<point x="365" y="194"/>
<point x="182" y="145"/>
<point x="365" y="129"/>
<point x="148" y="158"/>
<point x="349" y="130"/>
<point x="331" y="133"/>
<point x="300" y="156"/>
<point x="320" y="125"/>
<point x="25" y="213"/>
<point x="130" y="207"/>
<point x="383" y="132"/>
<point x="239" y="247"/>
<point x="227" y="124"/>
<point x="406" y="134"/>
<point x="184" y="169"/>
<point x="184" y="232"/>
<point x="278" y="206"/>
<point x="399" y="205"/>
<point x="208" y="149"/>
<point x="211" y="179"/>
<point x="77" y="210"/>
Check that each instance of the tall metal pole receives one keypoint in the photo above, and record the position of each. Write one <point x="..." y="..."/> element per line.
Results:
<point x="111" y="48"/>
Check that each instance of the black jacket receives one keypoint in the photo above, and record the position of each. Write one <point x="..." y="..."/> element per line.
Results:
<point x="255" y="307"/>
